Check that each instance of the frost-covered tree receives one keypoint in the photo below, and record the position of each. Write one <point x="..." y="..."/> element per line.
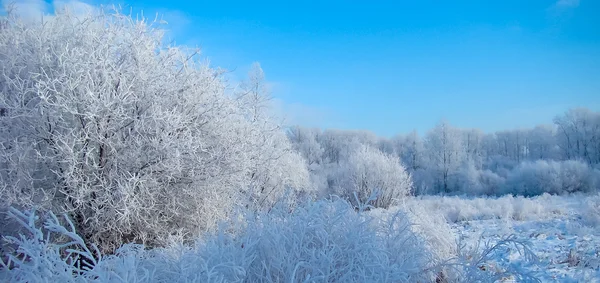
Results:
<point x="578" y="135"/>
<point x="339" y="144"/>
<point x="512" y="144"/>
<point x="134" y="139"/>
<point x="446" y="155"/>
<point x="387" y="146"/>
<point x="490" y="147"/>
<point x="304" y="140"/>
<point x="472" y="142"/>
<point x="332" y="143"/>
<point x="325" y="151"/>
<point x="368" y="171"/>
<point x="275" y="166"/>
<point x="542" y="143"/>
<point x="412" y="152"/>
<point x="555" y="177"/>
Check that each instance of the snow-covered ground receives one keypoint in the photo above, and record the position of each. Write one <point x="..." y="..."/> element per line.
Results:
<point x="562" y="232"/>
<point x="425" y="239"/>
<point x="566" y="251"/>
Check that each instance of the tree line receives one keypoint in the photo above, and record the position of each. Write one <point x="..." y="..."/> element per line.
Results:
<point x="562" y="157"/>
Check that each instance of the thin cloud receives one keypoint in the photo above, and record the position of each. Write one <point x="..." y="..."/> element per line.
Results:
<point x="177" y="21"/>
<point x="301" y="114"/>
<point x="172" y="21"/>
<point x="566" y="3"/>
<point x="560" y="13"/>
<point x="537" y="115"/>
<point x="74" y="6"/>
<point x="35" y="10"/>
<point x="27" y="9"/>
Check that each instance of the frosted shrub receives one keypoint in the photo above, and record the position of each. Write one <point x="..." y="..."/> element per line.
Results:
<point x="431" y="226"/>
<point x="535" y="178"/>
<point x="490" y="182"/>
<point x="523" y="208"/>
<point x="472" y="181"/>
<point x="134" y="139"/>
<point x="591" y="211"/>
<point x="325" y="241"/>
<point x="39" y="257"/>
<point x="473" y="264"/>
<point x="423" y="181"/>
<point x="468" y="180"/>
<point x="501" y="165"/>
<point x="455" y="209"/>
<point x="369" y="171"/>
<point x="577" y="176"/>
<point x="328" y="242"/>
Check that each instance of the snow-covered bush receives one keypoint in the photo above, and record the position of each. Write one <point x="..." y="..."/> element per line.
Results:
<point x="423" y="181"/>
<point x="329" y="242"/>
<point x="577" y="176"/>
<point x="476" y="182"/>
<point x="501" y="165"/>
<point x="490" y="182"/>
<point x="591" y="211"/>
<point x="467" y="180"/>
<point x="523" y="209"/>
<point x="325" y="241"/>
<point x="481" y="264"/>
<point x="369" y="171"/>
<point x="37" y="255"/>
<point x="554" y="177"/>
<point x="534" y="178"/>
<point x="134" y="139"/>
<point x="456" y="261"/>
<point x="429" y="225"/>
<point x="456" y="209"/>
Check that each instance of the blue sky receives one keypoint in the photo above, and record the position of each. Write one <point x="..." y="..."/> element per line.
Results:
<point x="391" y="67"/>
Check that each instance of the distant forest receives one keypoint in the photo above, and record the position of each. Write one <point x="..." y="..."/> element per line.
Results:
<point x="562" y="157"/>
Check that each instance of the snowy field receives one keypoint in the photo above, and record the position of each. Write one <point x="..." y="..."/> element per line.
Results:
<point x="562" y="233"/>
<point x="507" y="239"/>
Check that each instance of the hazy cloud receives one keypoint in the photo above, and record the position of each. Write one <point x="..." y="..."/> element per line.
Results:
<point x="34" y="10"/>
<point x="566" y="3"/>
<point x="560" y="13"/>
<point x="304" y="115"/>
<point x="536" y="115"/>
<point x="28" y="9"/>
<point x="177" y="21"/>
<point x="74" y="6"/>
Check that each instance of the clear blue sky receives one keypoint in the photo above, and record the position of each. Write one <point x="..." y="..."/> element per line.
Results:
<point x="395" y="66"/>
